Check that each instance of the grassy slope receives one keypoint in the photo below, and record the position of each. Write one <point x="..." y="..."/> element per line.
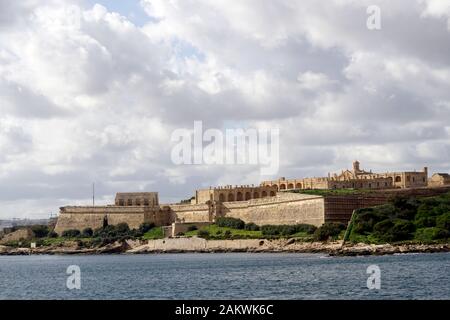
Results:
<point x="154" y="233"/>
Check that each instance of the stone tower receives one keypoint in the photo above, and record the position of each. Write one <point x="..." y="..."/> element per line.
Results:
<point x="356" y="166"/>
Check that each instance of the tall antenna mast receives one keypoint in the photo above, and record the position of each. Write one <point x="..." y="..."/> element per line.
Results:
<point x="93" y="194"/>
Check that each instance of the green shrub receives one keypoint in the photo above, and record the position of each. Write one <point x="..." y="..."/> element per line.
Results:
<point x="443" y="221"/>
<point x="203" y="234"/>
<point x="328" y="230"/>
<point x="229" y="222"/>
<point x="270" y="230"/>
<point x="433" y="233"/>
<point x="227" y="234"/>
<point x="424" y="222"/>
<point x="122" y="228"/>
<point x="303" y="227"/>
<point x="146" y="226"/>
<point x="40" y="231"/>
<point x="87" y="232"/>
<point x="192" y="228"/>
<point x="286" y="230"/>
<point x="403" y="229"/>
<point x="394" y="230"/>
<point x="71" y="233"/>
<point x="251" y="227"/>
<point x="52" y="234"/>
<point x="383" y="226"/>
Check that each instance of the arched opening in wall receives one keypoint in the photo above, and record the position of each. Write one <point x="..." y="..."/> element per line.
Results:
<point x="231" y="197"/>
<point x="105" y="221"/>
<point x="130" y="202"/>
<point x="248" y="196"/>
<point x="255" y="195"/>
<point x="272" y="193"/>
<point x="398" y="179"/>
<point x="239" y="196"/>
<point x="221" y="197"/>
<point x="264" y="194"/>
<point x="146" y="203"/>
<point x="282" y="186"/>
<point x="138" y="202"/>
<point x="121" y="202"/>
<point x="370" y="185"/>
<point x="298" y="186"/>
<point x="290" y="186"/>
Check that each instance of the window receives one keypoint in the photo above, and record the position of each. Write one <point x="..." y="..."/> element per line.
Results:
<point x="146" y="203"/>
<point x="130" y="202"/>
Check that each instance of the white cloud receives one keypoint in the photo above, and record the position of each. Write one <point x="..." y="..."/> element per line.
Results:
<point x="87" y="96"/>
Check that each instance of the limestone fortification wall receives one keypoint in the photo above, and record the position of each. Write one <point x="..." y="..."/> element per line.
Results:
<point x="94" y="217"/>
<point x="21" y="234"/>
<point x="190" y="212"/>
<point x="282" y="209"/>
<point x="198" y="244"/>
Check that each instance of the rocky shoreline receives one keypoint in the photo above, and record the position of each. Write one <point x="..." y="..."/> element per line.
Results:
<point x="197" y="245"/>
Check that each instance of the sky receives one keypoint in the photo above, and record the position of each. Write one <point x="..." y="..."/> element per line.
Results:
<point x="91" y="92"/>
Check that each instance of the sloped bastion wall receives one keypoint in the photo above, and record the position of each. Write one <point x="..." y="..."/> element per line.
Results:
<point x="284" y="208"/>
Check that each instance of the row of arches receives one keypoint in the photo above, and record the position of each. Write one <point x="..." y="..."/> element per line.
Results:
<point x="289" y="186"/>
<point x="241" y="196"/>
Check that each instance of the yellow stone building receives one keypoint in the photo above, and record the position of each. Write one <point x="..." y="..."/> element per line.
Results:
<point x="355" y="179"/>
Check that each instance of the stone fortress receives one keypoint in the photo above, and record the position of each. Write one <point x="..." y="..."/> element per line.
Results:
<point x="356" y="179"/>
<point x="268" y="203"/>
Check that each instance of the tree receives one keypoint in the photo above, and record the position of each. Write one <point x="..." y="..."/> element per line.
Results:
<point x="71" y="233"/>
<point x="328" y="230"/>
<point x="87" y="232"/>
<point x="229" y="222"/>
<point x="146" y="226"/>
<point x="40" y="231"/>
<point x="203" y="234"/>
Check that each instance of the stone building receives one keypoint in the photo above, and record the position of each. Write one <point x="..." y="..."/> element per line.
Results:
<point x="439" y="179"/>
<point x="356" y="179"/>
<point x="236" y="193"/>
<point x="137" y="199"/>
<point x="131" y="208"/>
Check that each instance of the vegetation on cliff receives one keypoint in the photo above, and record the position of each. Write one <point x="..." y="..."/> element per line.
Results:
<point x="425" y="220"/>
<point x="89" y="238"/>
